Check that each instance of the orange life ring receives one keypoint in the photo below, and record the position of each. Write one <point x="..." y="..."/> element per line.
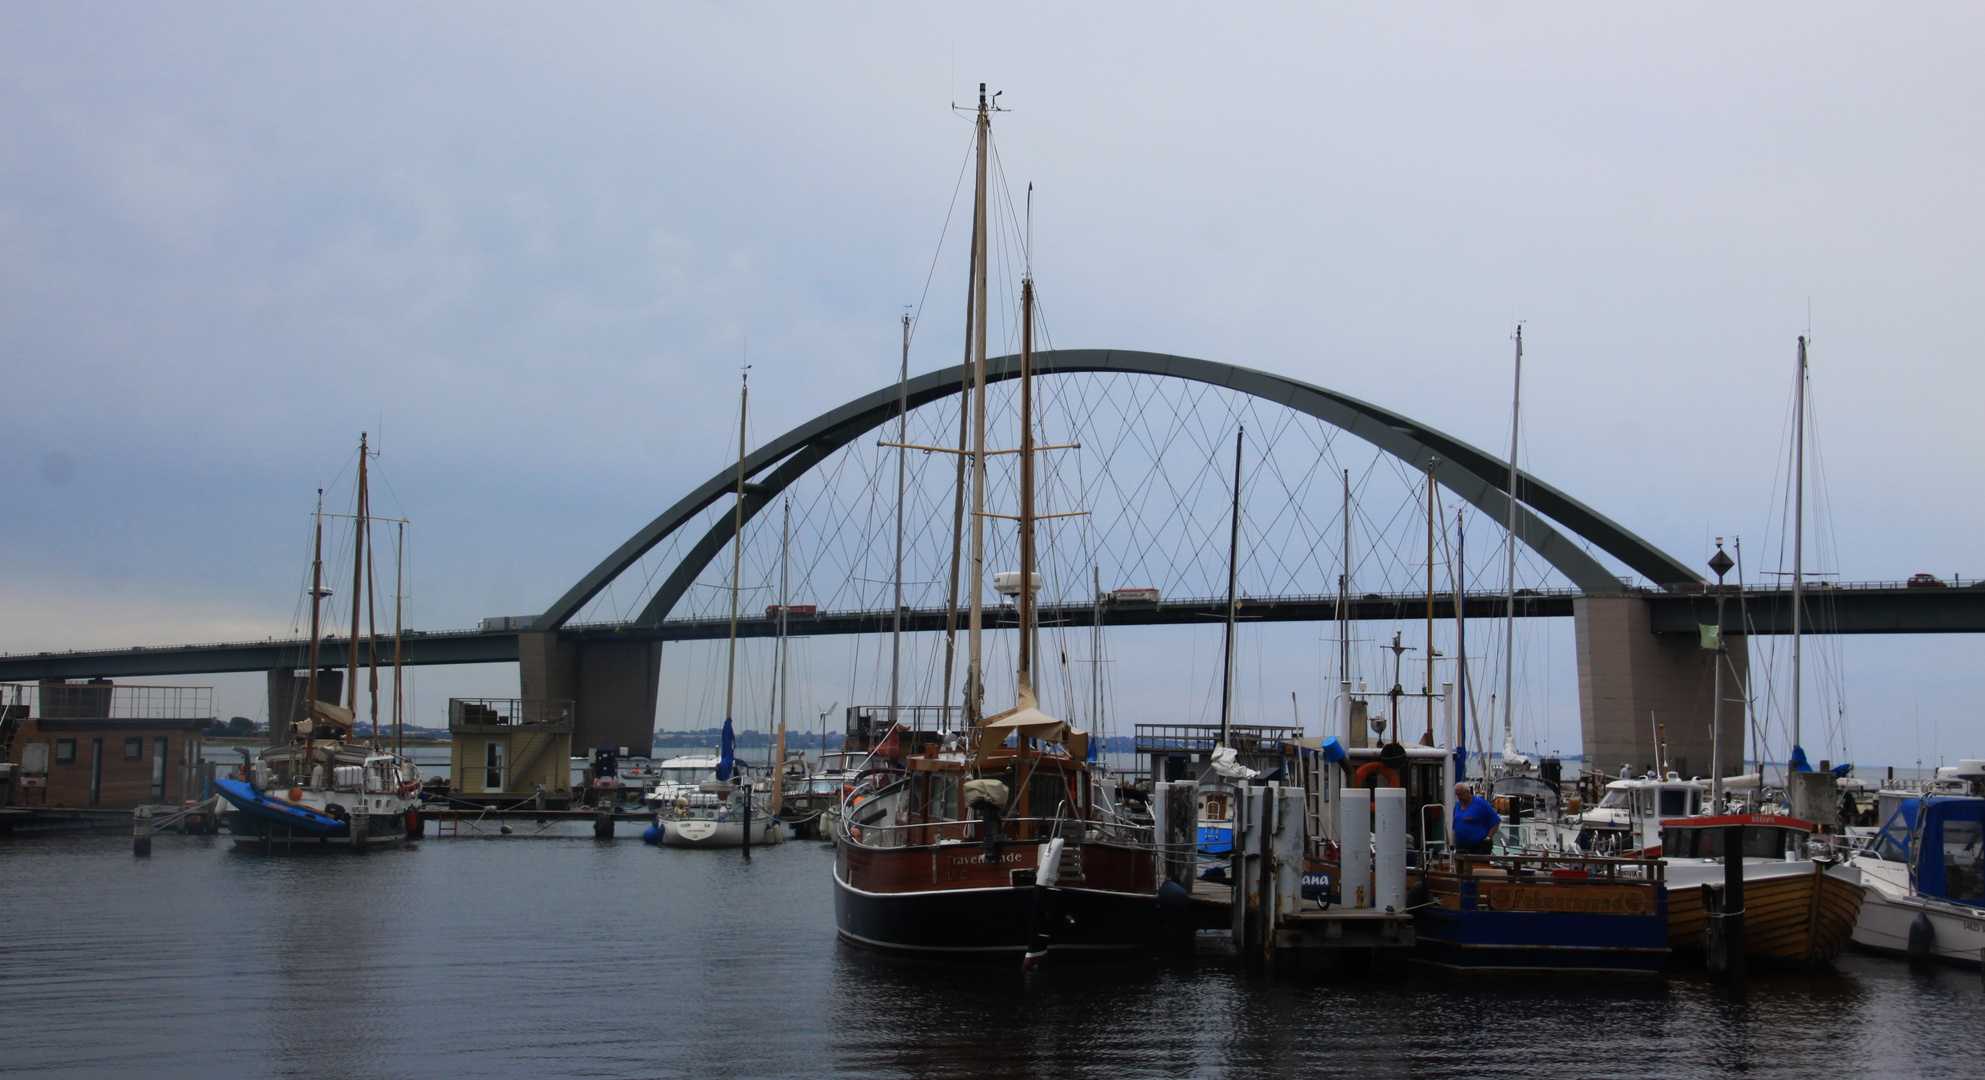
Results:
<point x="1375" y="768"/>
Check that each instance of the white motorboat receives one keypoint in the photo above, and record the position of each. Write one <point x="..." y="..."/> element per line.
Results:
<point x="1922" y="877"/>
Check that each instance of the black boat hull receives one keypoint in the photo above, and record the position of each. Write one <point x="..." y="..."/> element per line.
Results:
<point x="994" y="923"/>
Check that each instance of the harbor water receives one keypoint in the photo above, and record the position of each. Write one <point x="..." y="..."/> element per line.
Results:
<point x="549" y="953"/>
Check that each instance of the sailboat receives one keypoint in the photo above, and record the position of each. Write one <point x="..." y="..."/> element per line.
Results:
<point x="726" y="811"/>
<point x="976" y="848"/>
<point x="327" y="786"/>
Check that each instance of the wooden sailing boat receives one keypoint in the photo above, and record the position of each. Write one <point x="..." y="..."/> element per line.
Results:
<point x="326" y="786"/>
<point x="983" y="850"/>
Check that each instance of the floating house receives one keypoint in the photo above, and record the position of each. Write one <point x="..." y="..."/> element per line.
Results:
<point x="505" y="750"/>
<point x="96" y="744"/>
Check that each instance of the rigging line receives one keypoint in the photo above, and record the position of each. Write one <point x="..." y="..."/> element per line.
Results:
<point x="916" y="320"/>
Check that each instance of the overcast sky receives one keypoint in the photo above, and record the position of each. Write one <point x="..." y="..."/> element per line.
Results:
<point x="525" y="245"/>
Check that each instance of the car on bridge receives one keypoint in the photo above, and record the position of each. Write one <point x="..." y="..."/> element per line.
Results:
<point x="1924" y="581"/>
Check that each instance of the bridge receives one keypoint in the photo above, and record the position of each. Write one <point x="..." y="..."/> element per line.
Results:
<point x="1637" y="643"/>
<point x="1858" y="608"/>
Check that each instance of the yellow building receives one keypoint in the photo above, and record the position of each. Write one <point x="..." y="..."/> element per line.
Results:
<point x="506" y="750"/>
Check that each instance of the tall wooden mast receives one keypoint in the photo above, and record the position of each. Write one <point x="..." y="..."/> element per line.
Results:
<point x="359" y="523"/>
<point x="975" y="686"/>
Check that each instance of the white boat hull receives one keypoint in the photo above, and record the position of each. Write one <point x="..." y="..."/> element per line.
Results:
<point x="708" y="833"/>
<point x="1889" y="907"/>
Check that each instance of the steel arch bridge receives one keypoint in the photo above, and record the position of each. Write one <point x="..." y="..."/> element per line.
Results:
<point x="1479" y="478"/>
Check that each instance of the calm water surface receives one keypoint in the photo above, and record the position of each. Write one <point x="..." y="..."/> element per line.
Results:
<point x="550" y="954"/>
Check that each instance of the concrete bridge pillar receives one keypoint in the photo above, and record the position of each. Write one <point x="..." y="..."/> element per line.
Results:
<point x="612" y="685"/>
<point x="1630" y="678"/>
<point x="286" y="687"/>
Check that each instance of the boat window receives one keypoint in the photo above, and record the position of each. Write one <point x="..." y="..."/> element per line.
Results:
<point x="1646" y="801"/>
<point x="161" y="750"/>
<point x="65" y="751"/>
<point x="1760" y="842"/>
<point x="1674" y="802"/>
<point x="1963" y="879"/>
<point x="134" y="749"/>
<point x="1616" y="799"/>
<point x="943" y="805"/>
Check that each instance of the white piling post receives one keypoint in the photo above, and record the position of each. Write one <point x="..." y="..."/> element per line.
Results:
<point x="1389" y="834"/>
<point x="1354" y="838"/>
<point x="1287" y="845"/>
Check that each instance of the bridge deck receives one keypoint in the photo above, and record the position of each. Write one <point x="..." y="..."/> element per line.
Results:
<point x="1854" y="609"/>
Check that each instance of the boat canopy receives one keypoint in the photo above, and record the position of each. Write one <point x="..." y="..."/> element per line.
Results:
<point x="1942" y="840"/>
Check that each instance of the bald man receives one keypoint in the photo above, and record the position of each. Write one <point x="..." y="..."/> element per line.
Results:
<point x="1475" y="822"/>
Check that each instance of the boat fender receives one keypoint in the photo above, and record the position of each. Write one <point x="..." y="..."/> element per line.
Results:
<point x="1922" y="937"/>
<point x="1174" y="903"/>
<point x="413" y="823"/>
<point x="1385" y="774"/>
<point x="336" y="812"/>
<point x="651" y="835"/>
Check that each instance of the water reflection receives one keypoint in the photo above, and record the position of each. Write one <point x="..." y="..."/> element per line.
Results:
<point x="550" y="954"/>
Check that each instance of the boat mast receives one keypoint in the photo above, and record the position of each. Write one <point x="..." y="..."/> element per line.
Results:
<point x="974" y="672"/>
<point x="958" y="488"/>
<point x="1509" y="591"/>
<point x="372" y="634"/>
<point x="737" y="555"/>
<point x="784" y="682"/>
<point x="399" y="628"/>
<point x="1344" y="597"/>
<point x="1457" y="575"/>
<point x="1429" y="688"/>
<point x="902" y="464"/>
<point x="1798" y="532"/>
<point x="316" y="616"/>
<point x="1024" y="690"/>
<point x="1096" y="655"/>
<point x="359" y="524"/>
<point x="1233" y="578"/>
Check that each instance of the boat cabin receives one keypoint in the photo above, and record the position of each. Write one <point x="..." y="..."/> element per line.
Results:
<point x="1630" y="815"/>
<point x="1766" y="836"/>
<point x="1023" y="794"/>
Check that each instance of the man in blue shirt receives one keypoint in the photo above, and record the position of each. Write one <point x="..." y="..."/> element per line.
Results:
<point x="1475" y="822"/>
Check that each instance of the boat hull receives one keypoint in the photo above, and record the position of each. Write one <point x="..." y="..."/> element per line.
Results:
<point x="995" y="923"/>
<point x="1543" y="925"/>
<point x="258" y="819"/>
<point x="1889" y="909"/>
<point x="954" y="902"/>
<point x="1796" y="918"/>
<point x="704" y="833"/>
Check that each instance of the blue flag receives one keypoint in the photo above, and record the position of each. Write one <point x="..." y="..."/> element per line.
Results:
<point x="727" y="752"/>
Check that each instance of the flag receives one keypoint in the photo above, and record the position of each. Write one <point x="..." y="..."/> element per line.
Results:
<point x="726" y="752"/>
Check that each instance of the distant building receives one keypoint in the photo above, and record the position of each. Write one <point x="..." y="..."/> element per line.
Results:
<point x="98" y="744"/>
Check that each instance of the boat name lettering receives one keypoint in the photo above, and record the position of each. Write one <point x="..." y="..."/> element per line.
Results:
<point x="976" y="860"/>
<point x="1567" y="898"/>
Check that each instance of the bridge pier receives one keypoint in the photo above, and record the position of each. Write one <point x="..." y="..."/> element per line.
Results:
<point x="286" y="687"/>
<point x="612" y="685"/>
<point x="1629" y="677"/>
